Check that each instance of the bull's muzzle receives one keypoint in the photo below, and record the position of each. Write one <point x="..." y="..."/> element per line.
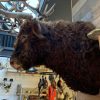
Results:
<point x="15" y="65"/>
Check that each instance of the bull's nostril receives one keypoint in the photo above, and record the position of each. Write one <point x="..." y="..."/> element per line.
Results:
<point x="11" y="62"/>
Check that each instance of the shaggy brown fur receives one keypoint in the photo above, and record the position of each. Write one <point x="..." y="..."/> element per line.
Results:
<point x="63" y="47"/>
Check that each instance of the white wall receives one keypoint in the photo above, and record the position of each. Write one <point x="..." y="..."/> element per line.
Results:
<point x="87" y="10"/>
<point x="26" y="80"/>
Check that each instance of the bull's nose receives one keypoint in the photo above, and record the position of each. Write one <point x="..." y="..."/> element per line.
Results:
<point x="13" y="64"/>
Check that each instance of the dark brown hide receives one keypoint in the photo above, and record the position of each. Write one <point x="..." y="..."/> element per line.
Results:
<point x="65" y="48"/>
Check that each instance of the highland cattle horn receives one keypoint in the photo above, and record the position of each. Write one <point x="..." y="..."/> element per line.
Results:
<point x="95" y="35"/>
<point x="37" y="30"/>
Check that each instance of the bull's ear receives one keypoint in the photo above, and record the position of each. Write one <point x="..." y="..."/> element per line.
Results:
<point x="36" y="30"/>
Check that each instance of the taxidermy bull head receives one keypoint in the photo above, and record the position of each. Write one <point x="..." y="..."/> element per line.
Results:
<point x="63" y="47"/>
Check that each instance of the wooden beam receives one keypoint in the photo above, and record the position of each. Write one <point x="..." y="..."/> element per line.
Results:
<point x="16" y="14"/>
